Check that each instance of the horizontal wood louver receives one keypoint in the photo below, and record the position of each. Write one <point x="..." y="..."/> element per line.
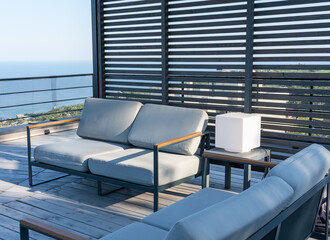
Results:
<point x="132" y="50"/>
<point x="291" y="76"/>
<point x="207" y="55"/>
<point x="270" y="57"/>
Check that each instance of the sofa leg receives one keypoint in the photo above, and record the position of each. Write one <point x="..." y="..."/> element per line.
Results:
<point x="33" y="185"/>
<point x="99" y="188"/>
<point x="30" y="174"/>
<point x="24" y="233"/>
<point x="156" y="201"/>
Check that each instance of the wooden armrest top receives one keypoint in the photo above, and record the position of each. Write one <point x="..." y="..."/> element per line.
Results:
<point x="179" y="139"/>
<point x="53" y="123"/>
<point x="50" y="230"/>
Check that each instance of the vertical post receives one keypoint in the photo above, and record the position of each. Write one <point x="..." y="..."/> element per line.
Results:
<point x="164" y="21"/>
<point x="28" y="135"/>
<point x="311" y="107"/>
<point x="156" y="178"/>
<point x="97" y="33"/>
<point x="249" y="57"/>
<point x="24" y="233"/>
<point x="95" y="52"/>
<point x="227" y="175"/>
<point x="99" y="188"/>
<point x="247" y="176"/>
<point x="206" y="173"/>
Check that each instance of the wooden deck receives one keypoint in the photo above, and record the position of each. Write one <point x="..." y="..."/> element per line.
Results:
<point x="72" y="203"/>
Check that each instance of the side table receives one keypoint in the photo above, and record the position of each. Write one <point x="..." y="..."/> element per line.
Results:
<point x="254" y="157"/>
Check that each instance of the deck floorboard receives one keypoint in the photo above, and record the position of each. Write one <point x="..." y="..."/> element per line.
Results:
<point x="72" y="202"/>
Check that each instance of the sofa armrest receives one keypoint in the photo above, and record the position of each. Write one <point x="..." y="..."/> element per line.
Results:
<point x="179" y="139"/>
<point x="157" y="146"/>
<point x="53" y="123"/>
<point x="45" y="229"/>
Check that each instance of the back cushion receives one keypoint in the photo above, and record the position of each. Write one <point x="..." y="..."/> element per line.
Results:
<point x="108" y="120"/>
<point x="158" y="123"/>
<point x="304" y="169"/>
<point x="237" y="217"/>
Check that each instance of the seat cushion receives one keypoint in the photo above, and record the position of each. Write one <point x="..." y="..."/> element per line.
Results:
<point x="304" y="169"/>
<point x="136" y="165"/>
<point x="158" y="123"/>
<point x="167" y="217"/>
<point x="73" y="154"/>
<point x="237" y="217"/>
<point x="108" y="120"/>
<point x="137" y="231"/>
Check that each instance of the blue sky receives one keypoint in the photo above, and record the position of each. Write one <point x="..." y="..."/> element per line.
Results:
<point x="45" y="30"/>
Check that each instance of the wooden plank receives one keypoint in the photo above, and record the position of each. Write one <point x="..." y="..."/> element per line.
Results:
<point x="8" y="234"/>
<point x="166" y="143"/>
<point x="73" y="226"/>
<point x="90" y="210"/>
<point x="49" y="230"/>
<point x="73" y="213"/>
<point x="53" y="123"/>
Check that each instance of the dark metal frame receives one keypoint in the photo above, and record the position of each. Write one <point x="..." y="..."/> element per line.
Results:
<point x="227" y="163"/>
<point x="271" y="230"/>
<point x="276" y="226"/>
<point x="155" y="189"/>
<point x="98" y="61"/>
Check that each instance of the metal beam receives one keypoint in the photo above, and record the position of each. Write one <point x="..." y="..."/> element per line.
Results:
<point x="95" y="52"/>
<point x="164" y="26"/>
<point x="97" y="33"/>
<point x="249" y="56"/>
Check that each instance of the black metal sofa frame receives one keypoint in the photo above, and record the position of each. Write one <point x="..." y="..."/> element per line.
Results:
<point x="295" y="222"/>
<point x="205" y="143"/>
<point x="298" y="220"/>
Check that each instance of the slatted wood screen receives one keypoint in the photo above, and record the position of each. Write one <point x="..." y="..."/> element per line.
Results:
<point x="267" y="57"/>
<point x="132" y="50"/>
<point x="291" y="79"/>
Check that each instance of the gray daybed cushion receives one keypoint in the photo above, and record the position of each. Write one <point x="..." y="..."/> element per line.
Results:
<point x="237" y="217"/>
<point x="304" y="169"/>
<point x="137" y="231"/>
<point x="73" y="154"/>
<point x="108" y="120"/>
<point x="167" y="217"/>
<point x="158" y="123"/>
<point x="136" y="165"/>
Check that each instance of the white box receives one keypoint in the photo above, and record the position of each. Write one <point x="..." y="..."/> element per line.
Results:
<point x="237" y="132"/>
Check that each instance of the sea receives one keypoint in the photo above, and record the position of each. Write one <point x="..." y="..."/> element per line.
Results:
<point x="18" y="97"/>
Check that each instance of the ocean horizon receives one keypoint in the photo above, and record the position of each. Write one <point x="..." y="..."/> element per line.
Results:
<point x="10" y="98"/>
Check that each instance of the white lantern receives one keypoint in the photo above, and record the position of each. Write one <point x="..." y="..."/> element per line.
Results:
<point x="237" y="132"/>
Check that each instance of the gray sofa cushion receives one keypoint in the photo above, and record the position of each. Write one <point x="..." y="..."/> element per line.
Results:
<point x="136" y="165"/>
<point x="237" y="217"/>
<point x="108" y="120"/>
<point x="73" y="154"/>
<point x="158" y="123"/>
<point x="167" y="217"/>
<point x="304" y="169"/>
<point x="137" y="231"/>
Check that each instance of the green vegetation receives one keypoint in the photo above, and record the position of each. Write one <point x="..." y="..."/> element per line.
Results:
<point x="302" y="106"/>
<point x="54" y="114"/>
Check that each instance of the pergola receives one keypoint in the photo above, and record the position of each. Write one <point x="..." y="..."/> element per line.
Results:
<point x="257" y="56"/>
